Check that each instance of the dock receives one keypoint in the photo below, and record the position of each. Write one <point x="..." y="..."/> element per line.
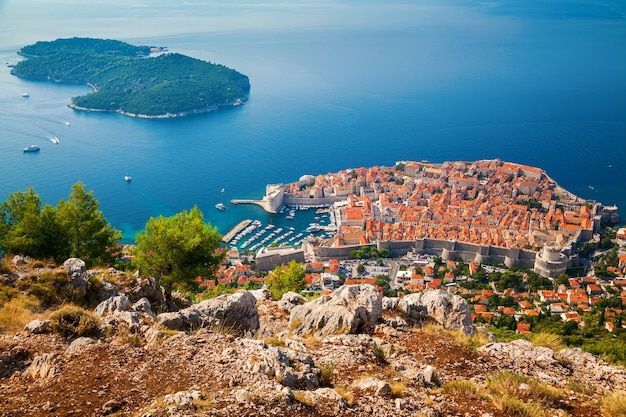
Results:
<point x="233" y="232"/>
<point x="264" y="204"/>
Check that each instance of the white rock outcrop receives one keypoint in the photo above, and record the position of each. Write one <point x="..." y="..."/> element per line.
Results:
<point x="450" y="311"/>
<point x="349" y="309"/>
<point x="233" y="312"/>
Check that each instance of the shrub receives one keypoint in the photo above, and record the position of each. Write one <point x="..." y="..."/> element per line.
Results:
<point x="327" y="372"/>
<point x="73" y="321"/>
<point x="379" y="354"/>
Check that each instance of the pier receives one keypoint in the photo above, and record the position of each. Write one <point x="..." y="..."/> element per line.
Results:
<point x="233" y="232"/>
<point x="261" y="203"/>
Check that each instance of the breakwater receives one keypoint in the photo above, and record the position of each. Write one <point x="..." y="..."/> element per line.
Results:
<point x="233" y="232"/>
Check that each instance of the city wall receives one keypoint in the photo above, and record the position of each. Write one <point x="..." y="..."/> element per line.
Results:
<point x="448" y="250"/>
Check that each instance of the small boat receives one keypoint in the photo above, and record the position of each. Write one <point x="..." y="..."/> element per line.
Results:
<point x="66" y="123"/>
<point x="25" y="95"/>
<point x="31" y="148"/>
<point x="128" y="178"/>
<point x="220" y="206"/>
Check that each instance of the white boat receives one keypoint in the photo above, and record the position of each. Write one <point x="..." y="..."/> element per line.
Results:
<point x="128" y="178"/>
<point x="25" y="95"/>
<point x="220" y="206"/>
<point x="31" y="148"/>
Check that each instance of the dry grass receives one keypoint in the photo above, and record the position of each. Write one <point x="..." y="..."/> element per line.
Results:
<point x="302" y="398"/>
<point x="274" y="341"/>
<point x="511" y="406"/>
<point x="524" y="388"/>
<point x="549" y="340"/>
<point x="19" y="311"/>
<point x="581" y="387"/>
<point x="461" y="387"/>
<point x="398" y="389"/>
<point x="346" y="394"/>
<point x="312" y="342"/>
<point x="471" y="342"/>
<point x="614" y="405"/>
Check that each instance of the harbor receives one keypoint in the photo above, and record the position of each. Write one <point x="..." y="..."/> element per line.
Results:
<point x="290" y="226"/>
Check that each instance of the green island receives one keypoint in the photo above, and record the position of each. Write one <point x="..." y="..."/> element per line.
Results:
<point x="129" y="80"/>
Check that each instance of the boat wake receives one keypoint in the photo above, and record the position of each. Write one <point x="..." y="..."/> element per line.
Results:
<point x="53" y="139"/>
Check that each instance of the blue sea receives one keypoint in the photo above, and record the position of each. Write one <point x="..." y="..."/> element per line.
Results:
<point x="334" y="85"/>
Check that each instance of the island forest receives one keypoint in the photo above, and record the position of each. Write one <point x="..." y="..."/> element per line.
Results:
<point x="129" y="80"/>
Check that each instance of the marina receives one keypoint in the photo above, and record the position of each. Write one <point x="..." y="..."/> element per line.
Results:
<point x="253" y="235"/>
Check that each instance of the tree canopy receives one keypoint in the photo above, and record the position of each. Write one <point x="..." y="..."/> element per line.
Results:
<point x="177" y="249"/>
<point x="75" y="228"/>
<point x="124" y="79"/>
<point x="285" y="278"/>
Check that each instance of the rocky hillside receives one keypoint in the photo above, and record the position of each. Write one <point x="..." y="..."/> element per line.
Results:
<point x="351" y="353"/>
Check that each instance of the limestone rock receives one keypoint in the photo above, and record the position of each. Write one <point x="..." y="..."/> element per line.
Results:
<point x="143" y="306"/>
<point x="38" y="326"/>
<point x="327" y="398"/>
<point x="389" y="303"/>
<point x="172" y="321"/>
<point x="374" y="385"/>
<point x="349" y="309"/>
<point x="76" y="270"/>
<point x="262" y="294"/>
<point x="291" y="299"/>
<point x="450" y="311"/>
<point x="112" y="305"/>
<point x="42" y="367"/>
<point x="431" y="377"/>
<point x="78" y="344"/>
<point x="290" y="369"/>
<point x="234" y="312"/>
<point x="182" y="398"/>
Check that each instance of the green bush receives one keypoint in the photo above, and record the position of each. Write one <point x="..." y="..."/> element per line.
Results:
<point x="71" y="321"/>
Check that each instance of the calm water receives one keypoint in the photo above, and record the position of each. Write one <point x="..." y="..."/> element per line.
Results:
<point x="335" y="84"/>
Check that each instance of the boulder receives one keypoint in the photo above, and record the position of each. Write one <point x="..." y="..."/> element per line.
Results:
<point x="450" y="311"/>
<point x="291" y="299"/>
<point x="233" y="312"/>
<point x="76" y="270"/>
<point x="390" y="303"/>
<point x="38" y="326"/>
<point x="42" y="367"/>
<point x="143" y="306"/>
<point x="373" y="385"/>
<point x="112" y="305"/>
<point x="182" y="398"/>
<point x="431" y="377"/>
<point x="262" y="294"/>
<point x="349" y="309"/>
<point x="78" y="344"/>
